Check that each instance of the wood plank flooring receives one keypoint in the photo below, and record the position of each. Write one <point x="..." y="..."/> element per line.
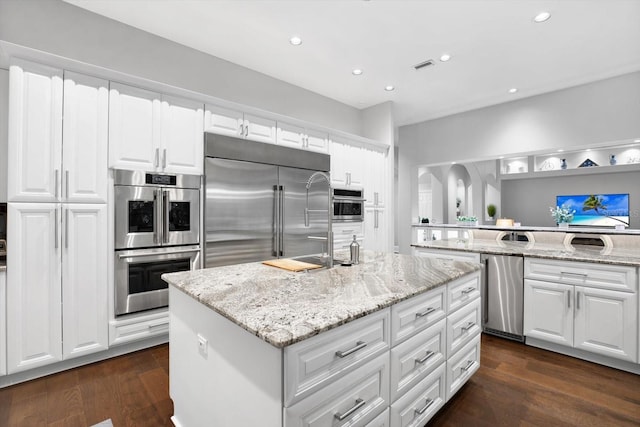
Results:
<point x="516" y="385"/>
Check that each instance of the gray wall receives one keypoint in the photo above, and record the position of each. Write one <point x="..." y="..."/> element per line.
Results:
<point x="599" y="112"/>
<point x="528" y="200"/>
<point x="60" y="28"/>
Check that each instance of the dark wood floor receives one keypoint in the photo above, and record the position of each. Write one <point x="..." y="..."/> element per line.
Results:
<point x="515" y="386"/>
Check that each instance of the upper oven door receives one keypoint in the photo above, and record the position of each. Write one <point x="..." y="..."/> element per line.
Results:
<point x="181" y="214"/>
<point x="137" y="217"/>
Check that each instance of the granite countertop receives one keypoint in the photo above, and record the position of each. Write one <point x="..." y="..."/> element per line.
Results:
<point x="522" y="228"/>
<point x="283" y="307"/>
<point x="558" y="251"/>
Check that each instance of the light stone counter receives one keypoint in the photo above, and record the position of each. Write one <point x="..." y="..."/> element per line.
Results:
<point x="583" y="253"/>
<point x="283" y="307"/>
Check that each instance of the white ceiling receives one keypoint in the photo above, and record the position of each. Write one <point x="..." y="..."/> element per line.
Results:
<point x="495" y="45"/>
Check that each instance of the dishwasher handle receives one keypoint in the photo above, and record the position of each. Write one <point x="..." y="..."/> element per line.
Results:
<point x="484" y="285"/>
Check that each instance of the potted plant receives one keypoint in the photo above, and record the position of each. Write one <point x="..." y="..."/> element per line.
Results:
<point x="562" y="215"/>
<point x="491" y="211"/>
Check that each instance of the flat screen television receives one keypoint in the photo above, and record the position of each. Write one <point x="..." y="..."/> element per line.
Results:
<point x="599" y="210"/>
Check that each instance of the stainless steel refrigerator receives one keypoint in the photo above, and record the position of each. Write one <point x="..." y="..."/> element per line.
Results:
<point x="264" y="201"/>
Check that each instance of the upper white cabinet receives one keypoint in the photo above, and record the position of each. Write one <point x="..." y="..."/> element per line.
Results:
<point x="50" y="161"/>
<point x="153" y="132"/>
<point x="347" y="167"/>
<point x="230" y="122"/>
<point x="3" y="323"/>
<point x="301" y="137"/>
<point x="35" y="132"/>
<point x="4" y="134"/>
<point x="375" y="177"/>
<point x="85" y="139"/>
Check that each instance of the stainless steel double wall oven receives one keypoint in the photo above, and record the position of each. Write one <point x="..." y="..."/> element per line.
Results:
<point x="157" y="230"/>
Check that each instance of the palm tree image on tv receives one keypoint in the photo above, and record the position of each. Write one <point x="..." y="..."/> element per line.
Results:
<point x="598" y="209"/>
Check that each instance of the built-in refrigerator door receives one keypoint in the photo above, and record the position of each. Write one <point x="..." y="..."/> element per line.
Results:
<point x="297" y="238"/>
<point x="240" y="204"/>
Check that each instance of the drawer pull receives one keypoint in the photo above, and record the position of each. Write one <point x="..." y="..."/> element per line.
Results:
<point x="469" y="365"/>
<point x="425" y="407"/>
<point x="468" y="326"/>
<point x="426" y="312"/>
<point x="359" y="404"/>
<point x="344" y="353"/>
<point x="569" y="273"/>
<point x="468" y="290"/>
<point x="426" y="357"/>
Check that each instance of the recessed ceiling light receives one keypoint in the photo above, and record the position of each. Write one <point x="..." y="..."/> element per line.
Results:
<point x="541" y="17"/>
<point x="445" y="57"/>
<point x="453" y="163"/>
<point x="356" y="72"/>
<point x="636" y="140"/>
<point x="389" y="88"/>
<point x="501" y="157"/>
<point x="560" y="150"/>
<point x="295" y="40"/>
<point x="513" y="90"/>
<point x="588" y="149"/>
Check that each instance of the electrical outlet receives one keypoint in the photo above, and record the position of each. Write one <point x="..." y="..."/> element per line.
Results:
<point x="202" y="346"/>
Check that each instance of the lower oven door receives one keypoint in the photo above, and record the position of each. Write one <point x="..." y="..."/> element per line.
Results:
<point x="138" y="285"/>
<point x="345" y="210"/>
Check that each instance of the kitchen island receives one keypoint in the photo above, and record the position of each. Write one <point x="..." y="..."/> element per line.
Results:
<point x="390" y="339"/>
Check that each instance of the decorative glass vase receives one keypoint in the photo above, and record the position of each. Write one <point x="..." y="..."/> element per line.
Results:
<point x="563" y="164"/>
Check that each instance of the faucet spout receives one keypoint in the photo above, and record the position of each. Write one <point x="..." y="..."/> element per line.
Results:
<point x="315" y="175"/>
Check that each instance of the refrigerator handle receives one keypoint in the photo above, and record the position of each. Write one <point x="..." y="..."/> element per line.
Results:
<point x="282" y="220"/>
<point x="484" y="278"/>
<point x="275" y="238"/>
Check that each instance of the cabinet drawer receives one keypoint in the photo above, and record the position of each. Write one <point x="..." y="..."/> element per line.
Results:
<point x="462" y="291"/>
<point x="137" y="329"/>
<point x="354" y="399"/>
<point x="416" y="314"/>
<point x="312" y="363"/>
<point x="462" y="326"/>
<point x="462" y="366"/>
<point x="381" y="420"/>
<point x="617" y="277"/>
<point x="420" y="403"/>
<point x="415" y="358"/>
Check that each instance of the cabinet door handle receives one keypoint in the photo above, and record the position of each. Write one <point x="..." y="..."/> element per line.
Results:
<point x="468" y="366"/>
<point x="568" y="299"/>
<point x="56" y="182"/>
<point x="242" y="130"/>
<point x="466" y="327"/>
<point x="344" y="353"/>
<point x="66" y="228"/>
<point x="468" y="290"/>
<point x="246" y="129"/>
<point x="359" y="404"/>
<point x="426" y="357"/>
<point x="425" y="313"/>
<point x="164" y="158"/>
<point x="375" y="198"/>
<point x="578" y="300"/>
<point x="156" y="158"/>
<point x="55" y="231"/>
<point x="425" y="407"/>
<point x="66" y="183"/>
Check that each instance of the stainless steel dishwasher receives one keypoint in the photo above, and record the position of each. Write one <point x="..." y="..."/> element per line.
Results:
<point x="503" y="295"/>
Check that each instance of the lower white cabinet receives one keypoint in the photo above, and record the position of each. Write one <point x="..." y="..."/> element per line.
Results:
<point x="343" y="233"/>
<point x="447" y="255"/>
<point x="375" y="229"/>
<point x="58" y="258"/>
<point x="381" y="420"/>
<point x="354" y="399"/>
<point x="417" y="406"/>
<point x="576" y="307"/>
<point x="462" y="365"/>
<point x="138" y="327"/>
<point x="3" y="323"/>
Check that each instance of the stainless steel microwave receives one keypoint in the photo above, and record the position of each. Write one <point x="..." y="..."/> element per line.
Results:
<point x="348" y="204"/>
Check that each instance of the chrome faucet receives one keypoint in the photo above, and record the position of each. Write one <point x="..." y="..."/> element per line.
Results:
<point x="329" y="238"/>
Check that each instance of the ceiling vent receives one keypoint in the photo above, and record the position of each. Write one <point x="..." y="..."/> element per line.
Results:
<point x="425" y="64"/>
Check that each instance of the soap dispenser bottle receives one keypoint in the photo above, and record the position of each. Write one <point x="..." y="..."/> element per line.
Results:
<point x="354" y="248"/>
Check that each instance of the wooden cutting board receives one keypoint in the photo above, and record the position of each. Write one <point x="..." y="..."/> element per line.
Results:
<point x="291" y="264"/>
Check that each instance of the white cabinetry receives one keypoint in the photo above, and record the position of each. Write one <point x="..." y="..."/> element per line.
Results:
<point x="4" y="134"/>
<point x="154" y="132"/>
<point x="447" y="255"/>
<point x="347" y="165"/>
<point x="591" y="307"/>
<point x="343" y="233"/>
<point x="375" y="229"/>
<point x="34" y="295"/>
<point x="3" y="323"/>
<point x="57" y="217"/>
<point x="301" y="137"/>
<point x="35" y="132"/>
<point x="226" y="121"/>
